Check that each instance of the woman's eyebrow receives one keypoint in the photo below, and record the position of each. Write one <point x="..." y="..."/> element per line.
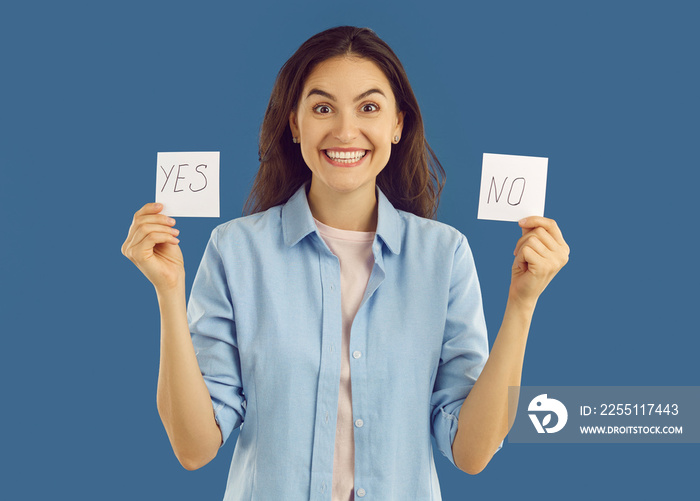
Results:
<point x="325" y="94"/>
<point x="320" y="92"/>
<point x="369" y="92"/>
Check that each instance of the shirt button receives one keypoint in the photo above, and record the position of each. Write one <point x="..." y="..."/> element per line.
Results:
<point x="332" y="287"/>
<point x="361" y="493"/>
<point x="356" y="354"/>
<point x="359" y="423"/>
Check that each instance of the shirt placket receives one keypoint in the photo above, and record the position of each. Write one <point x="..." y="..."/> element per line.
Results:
<point x="328" y="378"/>
<point x="363" y="412"/>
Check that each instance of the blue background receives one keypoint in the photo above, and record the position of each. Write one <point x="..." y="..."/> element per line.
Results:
<point x="92" y="90"/>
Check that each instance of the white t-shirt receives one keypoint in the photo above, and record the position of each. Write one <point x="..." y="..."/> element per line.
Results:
<point x="354" y="251"/>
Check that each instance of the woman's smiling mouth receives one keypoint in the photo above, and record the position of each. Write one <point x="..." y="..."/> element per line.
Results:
<point x="345" y="157"/>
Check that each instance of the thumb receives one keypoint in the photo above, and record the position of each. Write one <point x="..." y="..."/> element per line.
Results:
<point x="528" y="223"/>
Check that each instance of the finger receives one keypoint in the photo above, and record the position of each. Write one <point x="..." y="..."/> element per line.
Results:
<point x="129" y="238"/>
<point x="540" y="234"/>
<point x="549" y="224"/>
<point x="148" y="214"/>
<point x="537" y="246"/>
<point x="144" y="230"/>
<point x="140" y="220"/>
<point x="528" y="259"/>
<point x="144" y="249"/>
<point x="154" y="219"/>
<point x="150" y="208"/>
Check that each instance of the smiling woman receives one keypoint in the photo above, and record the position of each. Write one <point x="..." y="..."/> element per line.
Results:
<point x="411" y="176"/>
<point x="346" y="138"/>
<point x="337" y="324"/>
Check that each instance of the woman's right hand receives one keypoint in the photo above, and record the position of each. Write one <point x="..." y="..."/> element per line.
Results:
<point x="153" y="247"/>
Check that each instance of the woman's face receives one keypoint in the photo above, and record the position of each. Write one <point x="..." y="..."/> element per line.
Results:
<point x="346" y="120"/>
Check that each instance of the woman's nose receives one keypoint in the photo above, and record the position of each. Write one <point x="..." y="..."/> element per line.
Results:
<point x="345" y="127"/>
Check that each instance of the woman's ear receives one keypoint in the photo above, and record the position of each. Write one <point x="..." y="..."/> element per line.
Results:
<point x="293" y="124"/>
<point x="399" y="123"/>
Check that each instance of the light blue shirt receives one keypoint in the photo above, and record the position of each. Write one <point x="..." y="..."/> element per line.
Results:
<point x="265" y="318"/>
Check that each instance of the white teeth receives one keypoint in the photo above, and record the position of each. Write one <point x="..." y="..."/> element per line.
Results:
<point x="346" y="156"/>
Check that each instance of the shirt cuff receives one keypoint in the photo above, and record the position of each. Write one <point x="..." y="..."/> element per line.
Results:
<point x="225" y="418"/>
<point x="445" y="431"/>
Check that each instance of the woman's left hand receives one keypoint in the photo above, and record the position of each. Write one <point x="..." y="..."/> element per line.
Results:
<point x="539" y="254"/>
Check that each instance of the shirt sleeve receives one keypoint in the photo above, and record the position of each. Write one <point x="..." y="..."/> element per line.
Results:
<point x="464" y="350"/>
<point x="213" y="330"/>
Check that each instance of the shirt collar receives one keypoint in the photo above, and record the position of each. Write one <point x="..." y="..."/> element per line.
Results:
<point x="297" y="221"/>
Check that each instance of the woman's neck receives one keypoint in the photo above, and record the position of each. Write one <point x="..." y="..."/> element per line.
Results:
<point x="356" y="210"/>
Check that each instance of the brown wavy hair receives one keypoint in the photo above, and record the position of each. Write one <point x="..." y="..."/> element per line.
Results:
<point x="412" y="179"/>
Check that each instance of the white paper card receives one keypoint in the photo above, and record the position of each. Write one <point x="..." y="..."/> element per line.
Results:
<point x="512" y="187"/>
<point x="187" y="183"/>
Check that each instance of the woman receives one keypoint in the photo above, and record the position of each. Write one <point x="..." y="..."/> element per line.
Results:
<point x="337" y="324"/>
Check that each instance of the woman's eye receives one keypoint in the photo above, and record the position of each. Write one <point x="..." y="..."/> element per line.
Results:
<point x="369" y="107"/>
<point x="323" y="109"/>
